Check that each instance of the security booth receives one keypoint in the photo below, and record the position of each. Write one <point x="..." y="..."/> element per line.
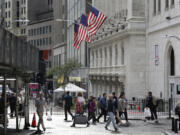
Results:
<point x="174" y="90"/>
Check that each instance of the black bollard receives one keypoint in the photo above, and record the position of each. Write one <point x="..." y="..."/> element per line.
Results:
<point x="176" y="125"/>
<point x="172" y="124"/>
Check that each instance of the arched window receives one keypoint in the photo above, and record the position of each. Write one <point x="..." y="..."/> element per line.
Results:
<point x="172" y="63"/>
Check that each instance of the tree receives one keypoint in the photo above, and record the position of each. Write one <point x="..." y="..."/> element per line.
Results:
<point x="63" y="71"/>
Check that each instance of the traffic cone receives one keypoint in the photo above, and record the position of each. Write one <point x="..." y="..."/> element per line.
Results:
<point x="34" y="121"/>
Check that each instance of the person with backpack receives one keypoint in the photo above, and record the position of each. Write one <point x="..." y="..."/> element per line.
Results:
<point x="67" y="105"/>
<point x="151" y="102"/>
<point x="92" y="109"/>
<point x="103" y="107"/>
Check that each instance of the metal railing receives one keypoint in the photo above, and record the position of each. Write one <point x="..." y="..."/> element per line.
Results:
<point x="135" y="108"/>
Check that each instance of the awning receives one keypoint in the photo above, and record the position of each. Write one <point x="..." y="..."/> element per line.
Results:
<point x="71" y="88"/>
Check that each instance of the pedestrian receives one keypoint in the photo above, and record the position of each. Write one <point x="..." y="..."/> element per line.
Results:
<point x="40" y="104"/>
<point x="21" y="104"/>
<point x="67" y="103"/>
<point x="98" y="104"/>
<point x="151" y="102"/>
<point x="103" y="107"/>
<point x="122" y="107"/>
<point x="110" y="109"/>
<point x="88" y="105"/>
<point x="177" y="111"/>
<point x="12" y="102"/>
<point x="92" y="110"/>
<point x="115" y="100"/>
<point x="79" y="102"/>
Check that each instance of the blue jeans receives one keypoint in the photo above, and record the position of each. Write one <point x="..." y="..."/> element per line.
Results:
<point x="111" y="118"/>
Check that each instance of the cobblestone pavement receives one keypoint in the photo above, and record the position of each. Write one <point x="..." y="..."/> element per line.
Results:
<point x="59" y="126"/>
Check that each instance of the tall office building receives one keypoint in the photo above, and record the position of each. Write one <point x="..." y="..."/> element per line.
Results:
<point x="41" y="28"/>
<point x="75" y="9"/>
<point x="15" y="16"/>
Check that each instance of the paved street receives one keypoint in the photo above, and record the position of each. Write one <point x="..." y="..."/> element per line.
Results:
<point x="58" y="125"/>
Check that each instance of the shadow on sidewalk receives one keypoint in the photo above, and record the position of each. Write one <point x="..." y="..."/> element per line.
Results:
<point x="14" y="132"/>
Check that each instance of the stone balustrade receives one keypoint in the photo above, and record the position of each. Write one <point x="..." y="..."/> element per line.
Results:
<point x="111" y="70"/>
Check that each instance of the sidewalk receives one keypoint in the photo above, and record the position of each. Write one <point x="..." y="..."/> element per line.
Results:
<point x="58" y="125"/>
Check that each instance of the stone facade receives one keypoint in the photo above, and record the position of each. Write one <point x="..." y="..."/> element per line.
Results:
<point x="162" y="45"/>
<point x="117" y="52"/>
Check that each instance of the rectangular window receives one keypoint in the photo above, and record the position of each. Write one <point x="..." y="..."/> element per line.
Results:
<point x="172" y="3"/>
<point x="154" y="9"/>
<point x="46" y="41"/>
<point x="37" y="31"/>
<point x="40" y="30"/>
<point x="59" y="59"/>
<point x="38" y="42"/>
<point x="9" y="14"/>
<point x="159" y="6"/>
<point x="43" y="41"/>
<point x="49" y="29"/>
<point x="166" y="4"/>
<point x="9" y="4"/>
<point x="43" y="30"/>
<point x="46" y="29"/>
<point x="50" y="41"/>
<point x="29" y="33"/>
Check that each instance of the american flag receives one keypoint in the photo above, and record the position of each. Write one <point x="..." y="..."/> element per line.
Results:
<point x="77" y="42"/>
<point x="82" y="30"/>
<point x="95" y="20"/>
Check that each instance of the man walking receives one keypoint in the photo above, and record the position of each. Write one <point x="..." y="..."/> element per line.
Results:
<point x="67" y="105"/>
<point x="115" y="100"/>
<point x="152" y="104"/>
<point x="103" y="106"/>
<point x="40" y="104"/>
<point x="110" y="110"/>
<point x="12" y="101"/>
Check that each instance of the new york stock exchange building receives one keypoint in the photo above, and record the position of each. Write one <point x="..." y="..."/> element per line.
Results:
<point x="137" y="50"/>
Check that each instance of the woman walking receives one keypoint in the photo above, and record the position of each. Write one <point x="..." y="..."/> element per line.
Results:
<point x="122" y="107"/>
<point x="92" y="109"/>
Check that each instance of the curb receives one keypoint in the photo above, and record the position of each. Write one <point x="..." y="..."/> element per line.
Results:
<point x="170" y="133"/>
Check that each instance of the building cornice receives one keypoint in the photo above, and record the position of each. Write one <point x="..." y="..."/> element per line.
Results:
<point x="164" y="25"/>
<point x="115" y="36"/>
<point x="59" y="45"/>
